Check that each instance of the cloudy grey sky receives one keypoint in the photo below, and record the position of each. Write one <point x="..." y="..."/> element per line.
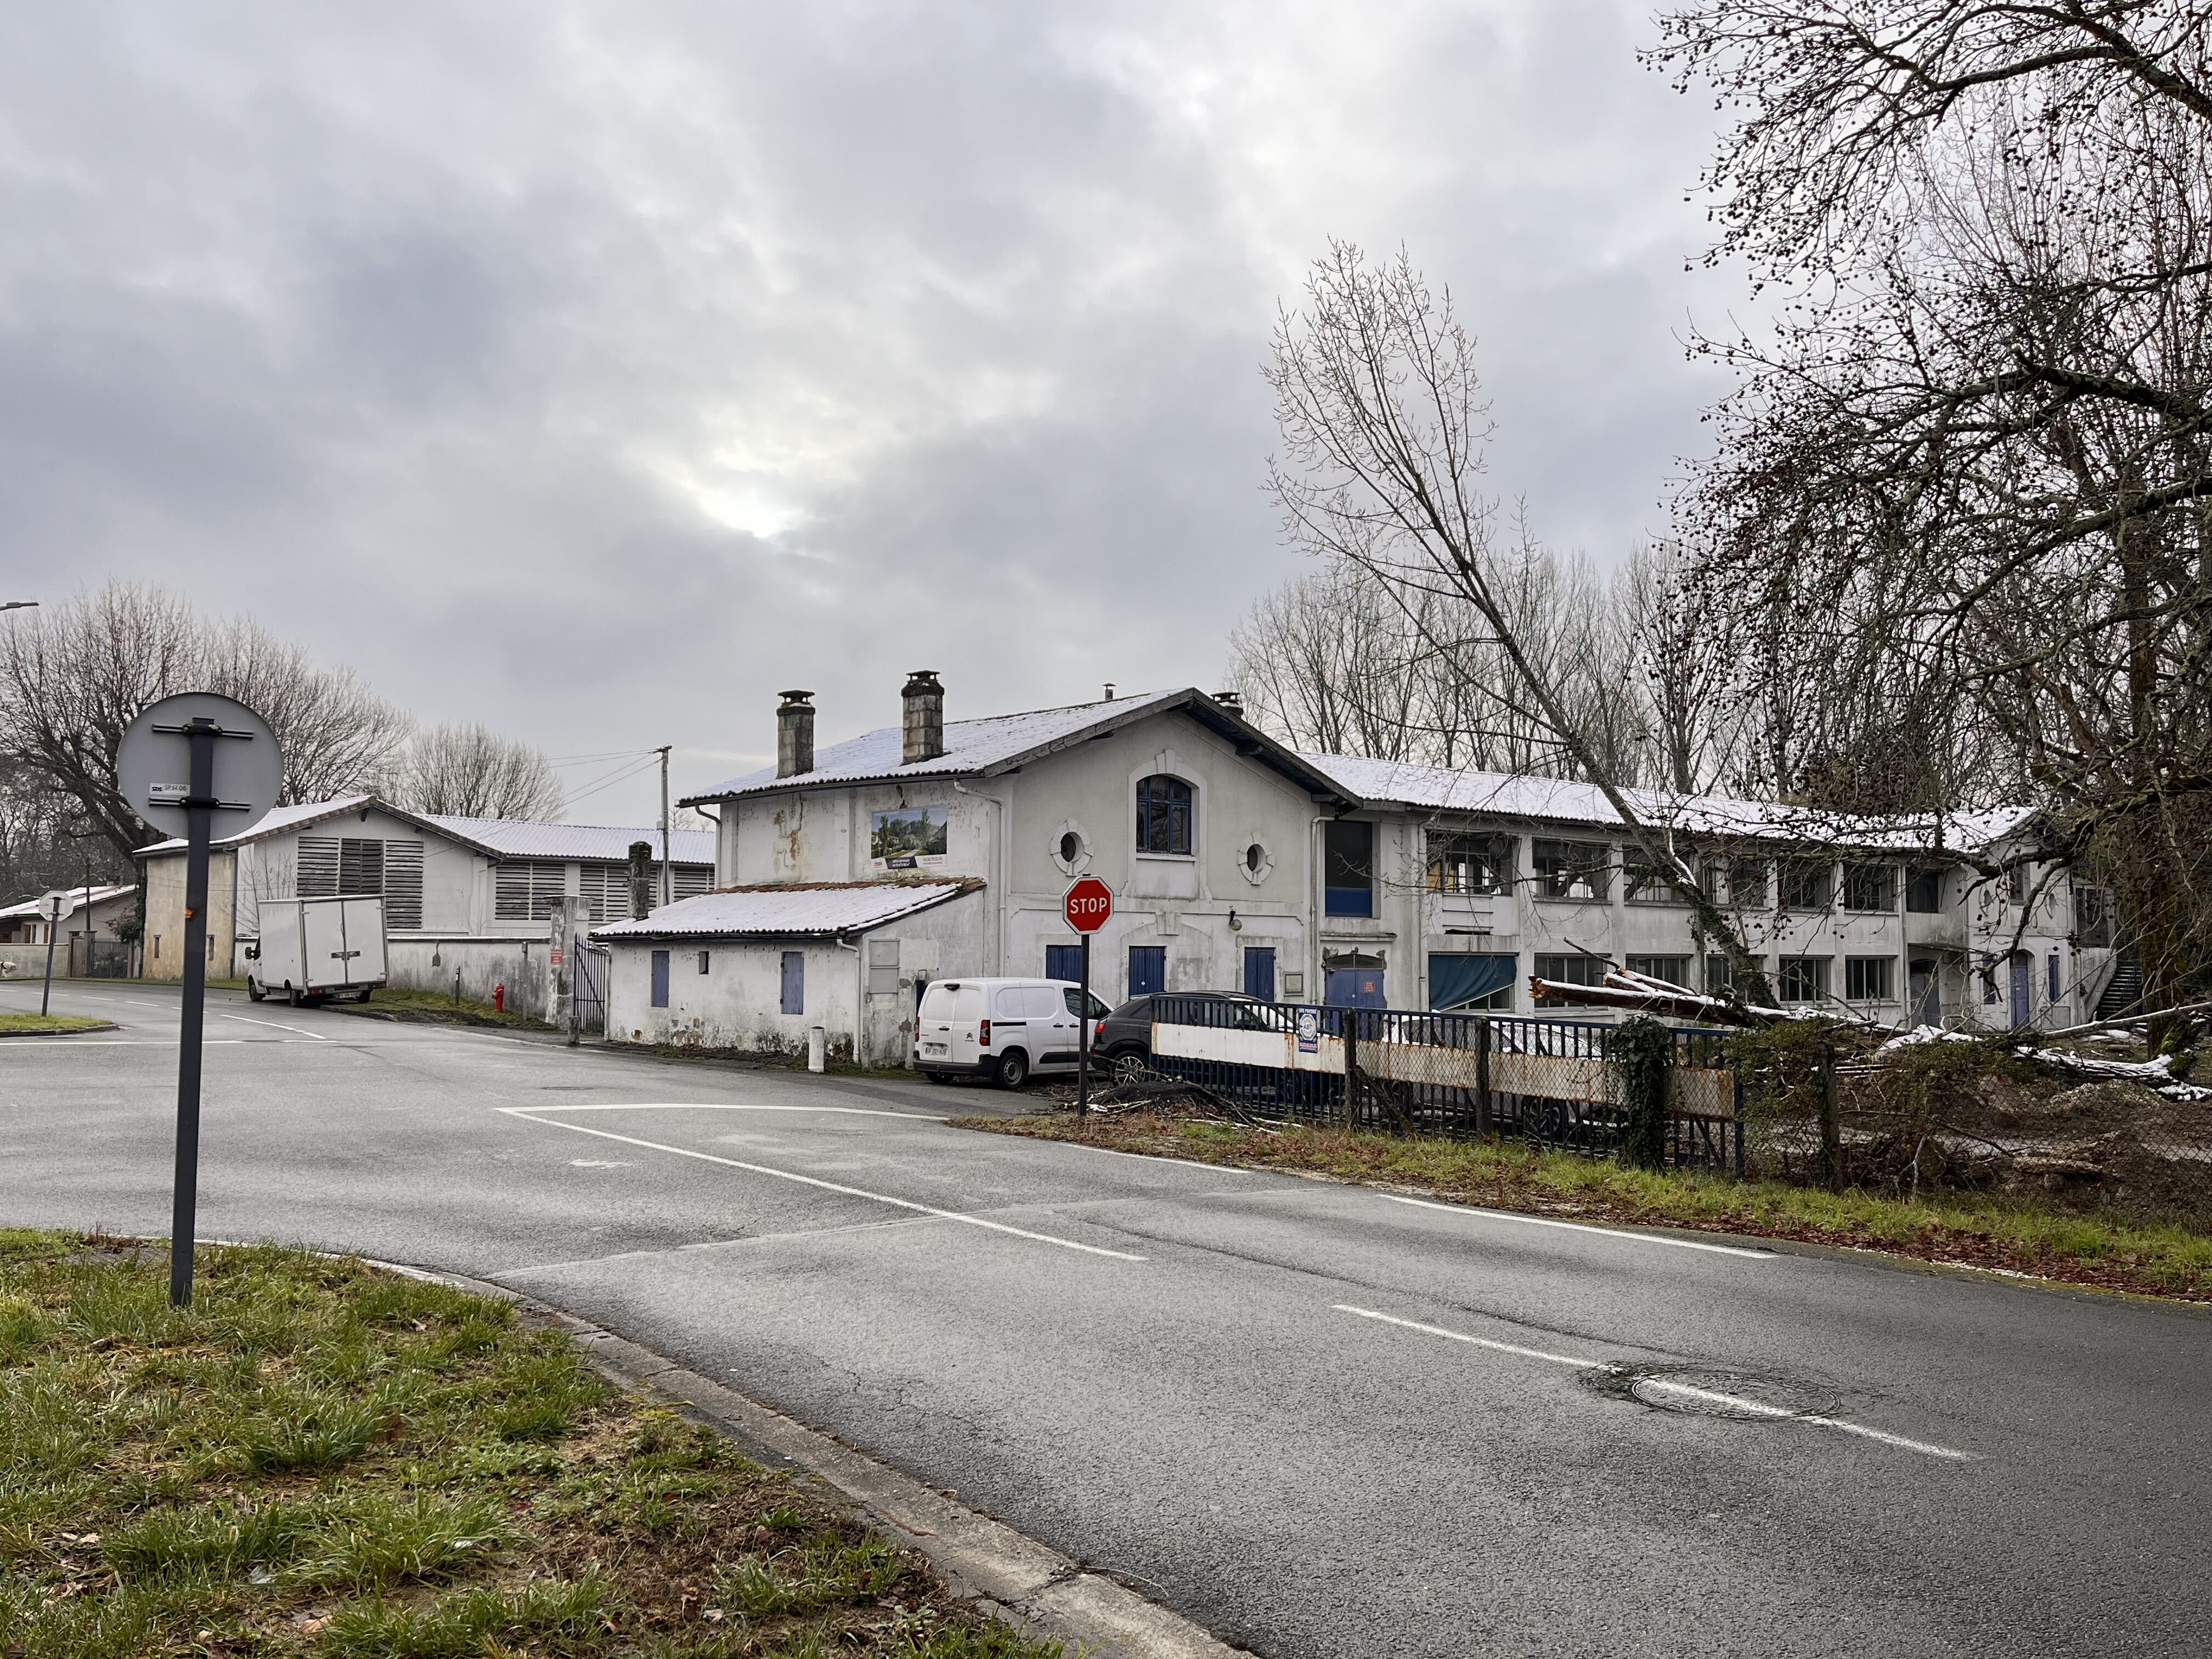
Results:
<point x="597" y="371"/>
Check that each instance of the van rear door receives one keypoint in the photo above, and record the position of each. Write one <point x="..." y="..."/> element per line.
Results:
<point x="968" y="1016"/>
<point x="932" y="1025"/>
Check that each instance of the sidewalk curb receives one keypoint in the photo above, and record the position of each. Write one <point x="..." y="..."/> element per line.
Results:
<point x="1011" y="1576"/>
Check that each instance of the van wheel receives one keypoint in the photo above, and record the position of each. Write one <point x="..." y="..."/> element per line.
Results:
<point x="253" y="991"/>
<point x="1013" y="1070"/>
<point x="295" y="996"/>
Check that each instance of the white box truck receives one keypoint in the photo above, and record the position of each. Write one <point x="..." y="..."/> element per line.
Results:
<point x="313" y="948"/>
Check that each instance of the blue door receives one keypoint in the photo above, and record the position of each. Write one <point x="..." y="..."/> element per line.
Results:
<point x="1260" y="972"/>
<point x="1064" y="962"/>
<point x="660" y="979"/>
<point x="1355" y="988"/>
<point x="794" y="981"/>
<point x="1148" y="969"/>
<point x="2022" y="982"/>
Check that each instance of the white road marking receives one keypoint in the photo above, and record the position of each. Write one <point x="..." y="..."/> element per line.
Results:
<point x="529" y="1115"/>
<point x="1688" y="1391"/>
<point x="599" y="1163"/>
<point x="725" y="1106"/>
<point x="1625" y="1234"/>
<point x="247" y="1019"/>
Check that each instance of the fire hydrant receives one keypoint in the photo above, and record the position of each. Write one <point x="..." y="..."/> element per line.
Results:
<point x="499" y="998"/>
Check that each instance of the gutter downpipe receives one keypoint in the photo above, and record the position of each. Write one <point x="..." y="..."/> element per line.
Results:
<point x="999" y="934"/>
<point x="860" y="996"/>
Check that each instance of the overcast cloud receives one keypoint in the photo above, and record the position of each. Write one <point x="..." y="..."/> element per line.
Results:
<point x="596" y="371"/>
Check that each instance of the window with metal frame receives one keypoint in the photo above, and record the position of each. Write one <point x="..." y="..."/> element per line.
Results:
<point x="1465" y="863"/>
<point x="1807" y="884"/>
<point x="1675" y="970"/>
<point x="1871" y="887"/>
<point x="1348" y="848"/>
<point x="1923" y="892"/>
<point x="1869" y="979"/>
<point x="2093" y="917"/>
<point x="1571" y="970"/>
<point x="1643" y="882"/>
<point x="1801" y="979"/>
<point x="1472" y="982"/>
<point x="1571" y="870"/>
<point x="1164" y="815"/>
<point x="1720" y="976"/>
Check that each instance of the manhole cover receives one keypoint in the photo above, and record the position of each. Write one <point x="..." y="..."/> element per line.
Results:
<point x="1713" y="1391"/>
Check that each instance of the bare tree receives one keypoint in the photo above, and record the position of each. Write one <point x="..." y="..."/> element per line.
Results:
<point x="1966" y="475"/>
<point x="1384" y="429"/>
<point x="471" y="772"/>
<point x="72" y="679"/>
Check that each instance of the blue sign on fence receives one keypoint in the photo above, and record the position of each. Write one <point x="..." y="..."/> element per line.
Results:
<point x="1309" y="1030"/>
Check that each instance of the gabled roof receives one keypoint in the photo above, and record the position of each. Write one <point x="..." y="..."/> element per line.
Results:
<point x="495" y="838"/>
<point x="73" y="899"/>
<point x="1568" y="802"/>
<point x="1001" y="742"/>
<point x="811" y="910"/>
<point x="528" y="838"/>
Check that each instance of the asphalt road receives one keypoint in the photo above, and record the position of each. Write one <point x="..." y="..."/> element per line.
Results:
<point x="1319" y="1420"/>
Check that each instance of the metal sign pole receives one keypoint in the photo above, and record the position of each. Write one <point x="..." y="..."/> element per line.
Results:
<point x="1082" y="1037"/>
<point x="53" y="927"/>
<point x="199" y="805"/>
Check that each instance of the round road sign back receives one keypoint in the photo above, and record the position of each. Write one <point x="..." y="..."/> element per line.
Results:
<point x="154" y="763"/>
<point x="1089" y="905"/>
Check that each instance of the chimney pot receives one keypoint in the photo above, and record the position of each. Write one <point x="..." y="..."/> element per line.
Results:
<point x="795" y="734"/>
<point x="1232" y="700"/>
<point x="924" y="723"/>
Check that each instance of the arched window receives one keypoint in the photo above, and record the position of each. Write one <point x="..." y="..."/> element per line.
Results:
<point x="1163" y="814"/>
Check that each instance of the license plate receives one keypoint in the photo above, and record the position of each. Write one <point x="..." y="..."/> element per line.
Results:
<point x="932" y="1048"/>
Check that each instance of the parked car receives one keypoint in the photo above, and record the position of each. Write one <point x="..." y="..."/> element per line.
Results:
<point x="1125" y="1036"/>
<point x="999" y="1030"/>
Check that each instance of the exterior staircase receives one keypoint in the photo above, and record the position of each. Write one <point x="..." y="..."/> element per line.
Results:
<point x="2123" y="991"/>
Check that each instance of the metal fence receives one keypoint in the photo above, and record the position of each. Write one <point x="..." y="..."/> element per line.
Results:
<point x="1549" y="1081"/>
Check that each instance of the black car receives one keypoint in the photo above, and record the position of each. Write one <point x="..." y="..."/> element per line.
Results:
<point x="1125" y="1037"/>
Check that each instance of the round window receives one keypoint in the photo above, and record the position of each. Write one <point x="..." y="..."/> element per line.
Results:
<point x="1255" y="856"/>
<point x="1070" y="847"/>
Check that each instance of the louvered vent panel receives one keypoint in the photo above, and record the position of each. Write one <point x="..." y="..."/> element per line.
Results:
<point x="692" y="881"/>
<point x="360" y="867"/>
<point x="318" y="867"/>
<point x="403" y="884"/>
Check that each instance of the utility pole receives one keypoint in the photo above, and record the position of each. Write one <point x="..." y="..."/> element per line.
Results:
<point x="667" y="875"/>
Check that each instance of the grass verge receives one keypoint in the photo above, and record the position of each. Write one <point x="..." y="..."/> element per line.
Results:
<point x="38" y="1024"/>
<point x="2007" y="1234"/>
<point x="434" y="1008"/>
<point x="320" y="1459"/>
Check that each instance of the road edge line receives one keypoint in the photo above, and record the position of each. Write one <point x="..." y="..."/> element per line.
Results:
<point x="1007" y="1574"/>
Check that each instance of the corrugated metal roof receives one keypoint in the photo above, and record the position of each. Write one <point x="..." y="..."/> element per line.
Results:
<point x="72" y="898"/>
<point x="519" y="838"/>
<point x="817" y="912"/>
<point x="970" y="746"/>
<point x="525" y="838"/>
<point x="1561" y="800"/>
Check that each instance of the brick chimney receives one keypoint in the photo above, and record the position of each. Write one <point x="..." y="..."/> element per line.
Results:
<point x="925" y="716"/>
<point x="794" y="734"/>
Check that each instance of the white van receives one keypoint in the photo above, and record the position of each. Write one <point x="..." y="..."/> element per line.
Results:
<point x="1000" y="1030"/>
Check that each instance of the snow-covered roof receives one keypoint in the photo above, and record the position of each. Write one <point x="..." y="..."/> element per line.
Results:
<point x="823" y="910"/>
<point x="1567" y="801"/>
<point x="72" y="898"/>
<point x="999" y="743"/>
<point x="515" y="838"/>
<point x="526" y="838"/>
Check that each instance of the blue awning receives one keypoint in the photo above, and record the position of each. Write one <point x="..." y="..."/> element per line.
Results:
<point x="1456" y="980"/>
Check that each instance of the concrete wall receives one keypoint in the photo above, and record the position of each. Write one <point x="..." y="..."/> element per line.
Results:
<point x="164" y="955"/>
<point x="429" y="962"/>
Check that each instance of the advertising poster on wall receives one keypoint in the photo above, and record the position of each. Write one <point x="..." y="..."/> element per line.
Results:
<point x="907" y="838"/>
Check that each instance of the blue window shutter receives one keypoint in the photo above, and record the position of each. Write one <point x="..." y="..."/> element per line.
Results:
<point x="660" y="979"/>
<point x="794" y="981"/>
<point x="1063" y="961"/>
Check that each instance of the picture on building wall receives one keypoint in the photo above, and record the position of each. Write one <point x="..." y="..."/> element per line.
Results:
<point x="907" y="838"/>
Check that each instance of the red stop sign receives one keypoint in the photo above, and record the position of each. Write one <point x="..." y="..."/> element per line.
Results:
<point x="1088" y="905"/>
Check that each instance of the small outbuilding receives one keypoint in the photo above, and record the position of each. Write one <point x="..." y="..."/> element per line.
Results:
<point x="86" y="924"/>
<point x="756" y="968"/>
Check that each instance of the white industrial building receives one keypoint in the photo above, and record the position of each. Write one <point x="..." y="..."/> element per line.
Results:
<point x="1238" y="864"/>
<point x="467" y="901"/>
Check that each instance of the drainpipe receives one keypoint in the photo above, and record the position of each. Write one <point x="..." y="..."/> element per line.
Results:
<point x="999" y="934"/>
<point x="1316" y="859"/>
<point x="860" y="996"/>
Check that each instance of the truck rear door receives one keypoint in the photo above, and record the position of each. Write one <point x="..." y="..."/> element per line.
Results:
<point x="322" y="929"/>
<point x="364" y="940"/>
